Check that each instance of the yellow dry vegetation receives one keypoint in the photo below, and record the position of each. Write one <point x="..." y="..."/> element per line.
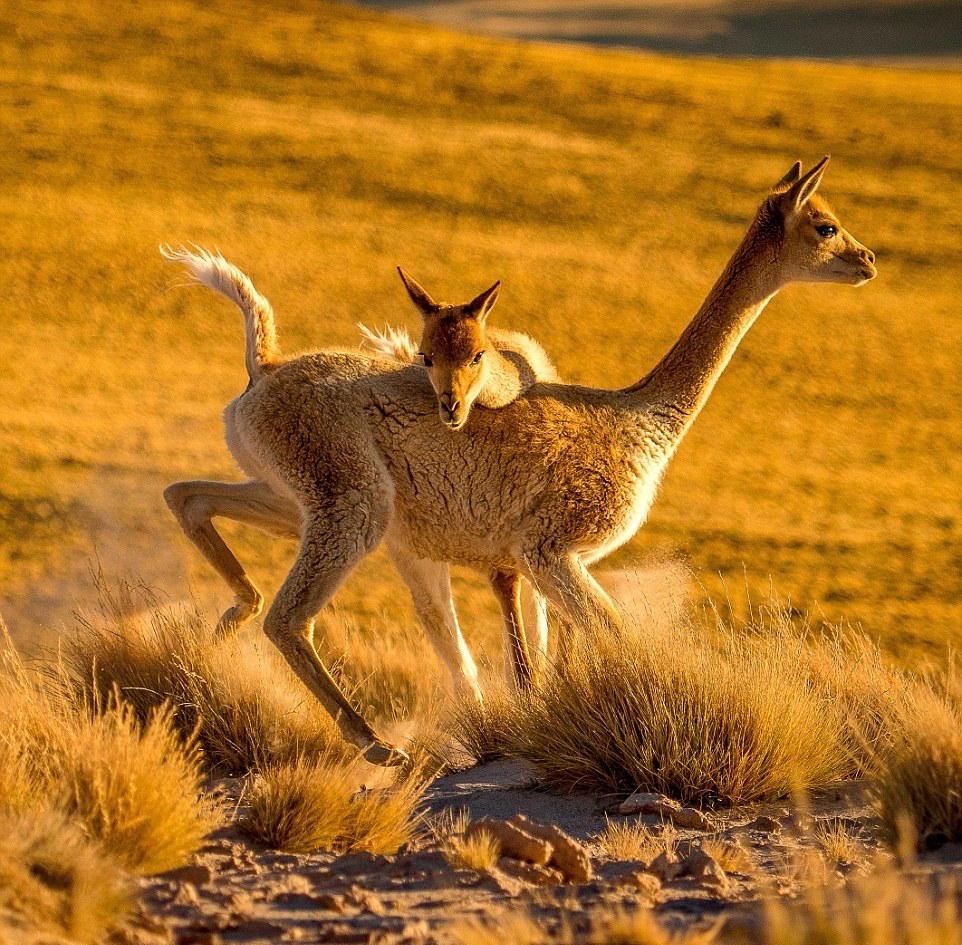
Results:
<point x="319" y="145"/>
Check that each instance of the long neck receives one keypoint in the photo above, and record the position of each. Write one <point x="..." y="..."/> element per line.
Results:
<point x="680" y="384"/>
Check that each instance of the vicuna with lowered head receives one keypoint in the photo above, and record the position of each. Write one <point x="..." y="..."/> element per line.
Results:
<point x="345" y="451"/>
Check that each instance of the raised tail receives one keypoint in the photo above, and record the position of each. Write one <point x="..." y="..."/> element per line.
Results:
<point x="215" y="272"/>
<point x="394" y="342"/>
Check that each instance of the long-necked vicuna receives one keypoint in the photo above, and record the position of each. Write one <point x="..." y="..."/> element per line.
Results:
<point x="469" y="362"/>
<point x="346" y="451"/>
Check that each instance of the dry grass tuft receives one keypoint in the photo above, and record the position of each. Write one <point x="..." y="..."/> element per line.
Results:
<point x="918" y="768"/>
<point x="631" y="840"/>
<point x="839" y="842"/>
<point x="884" y="908"/>
<point x="137" y="788"/>
<point x="639" y="927"/>
<point x="480" y="851"/>
<point x="621" y="927"/>
<point x="307" y="806"/>
<point x="692" y="713"/>
<point x="248" y="710"/>
<point x="134" y="786"/>
<point x="731" y="855"/>
<point x="56" y="882"/>
<point x="483" y="729"/>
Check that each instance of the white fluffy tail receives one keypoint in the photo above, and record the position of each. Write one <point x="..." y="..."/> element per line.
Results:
<point x="215" y="272"/>
<point x="394" y="342"/>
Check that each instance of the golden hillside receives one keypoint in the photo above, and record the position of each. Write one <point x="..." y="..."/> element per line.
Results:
<point x="320" y="145"/>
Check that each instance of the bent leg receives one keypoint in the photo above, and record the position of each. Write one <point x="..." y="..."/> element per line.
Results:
<point x="195" y="503"/>
<point x="430" y="585"/>
<point x="335" y="540"/>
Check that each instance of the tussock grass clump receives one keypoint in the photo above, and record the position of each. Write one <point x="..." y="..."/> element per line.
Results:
<point x="883" y="908"/>
<point x="56" y="882"/>
<point x="484" y="729"/>
<point x="621" y="927"/>
<point x="480" y="851"/>
<point x="137" y="788"/>
<point x="133" y="786"/>
<point x="917" y="772"/>
<point x="696" y="715"/>
<point x="307" y="806"/>
<point x="247" y="708"/>
<point x="631" y="840"/>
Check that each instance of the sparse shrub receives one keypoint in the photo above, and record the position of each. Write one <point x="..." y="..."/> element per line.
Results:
<point x="690" y="714"/>
<point x="246" y="707"/>
<point x="483" y="729"/>
<point x="388" y="668"/>
<point x="135" y="787"/>
<point x="917" y="770"/>
<point x="730" y="855"/>
<point x="632" y="840"/>
<point x="56" y="882"/>
<point x="840" y="843"/>
<point x="884" y="908"/>
<point x="479" y="851"/>
<point x="319" y="805"/>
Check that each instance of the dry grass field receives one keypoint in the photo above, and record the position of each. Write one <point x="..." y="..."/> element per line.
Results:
<point x="321" y="145"/>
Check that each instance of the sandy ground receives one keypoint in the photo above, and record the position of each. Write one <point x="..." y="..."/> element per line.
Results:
<point x="236" y="892"/>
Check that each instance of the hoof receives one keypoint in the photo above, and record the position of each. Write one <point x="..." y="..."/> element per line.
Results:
<point x="377" y="753"/>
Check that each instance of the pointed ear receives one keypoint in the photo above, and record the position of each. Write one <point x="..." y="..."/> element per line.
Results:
<point x="801" y="191"/>
<point x="482" y="305"/>
<point x="422" y="301"/>
<point x="790" y="178"/>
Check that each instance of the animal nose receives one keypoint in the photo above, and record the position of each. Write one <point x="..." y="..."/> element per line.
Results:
<point x="868" y="255"/>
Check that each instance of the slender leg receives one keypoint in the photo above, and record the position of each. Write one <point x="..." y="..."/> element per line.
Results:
<point x="534" y="610"/>
<point x="565" y="581"/>
<point x="430" y="585"/>
<point x="333" y="544"/>
<point x="195" y="503"/>
<point x="507" y="589"/>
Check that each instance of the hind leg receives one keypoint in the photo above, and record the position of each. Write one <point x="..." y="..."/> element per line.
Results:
<point x="565" y="581"/>
<point x="430" y="585"/>
<point x="534" y="610"/>
<point x="195" y="503"/>
<point x="336" y="537"/>
<point x="507" y="589"/>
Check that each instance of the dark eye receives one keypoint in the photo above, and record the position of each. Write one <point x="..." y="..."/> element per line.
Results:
<point x="478" y="357"/>
<point x="426" y="361"/>
<point x="826" y="231"/>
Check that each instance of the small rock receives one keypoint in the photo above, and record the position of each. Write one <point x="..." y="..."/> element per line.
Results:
<point x="567" y="854"/>
<point x="665" y="867"/>
<point x="640" y="801"/>
<point x="531" y="873"/>
<point x="198" y="937"/>
<point x="628" y="874"/>
<point x="364" y="900"/>
<point x="665" y="807"/>
<point x="700" y="864"/>
<point x="514" y="841"/>
<point x="330" y="902"/>
<point x="198" y="874"/>
<point x="765" y="824"/>
<point x="186" y="895"/>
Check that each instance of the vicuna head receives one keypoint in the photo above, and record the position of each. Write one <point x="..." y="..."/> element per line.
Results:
<point x="811" y="244"/>
<point x="453" y="349"/>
